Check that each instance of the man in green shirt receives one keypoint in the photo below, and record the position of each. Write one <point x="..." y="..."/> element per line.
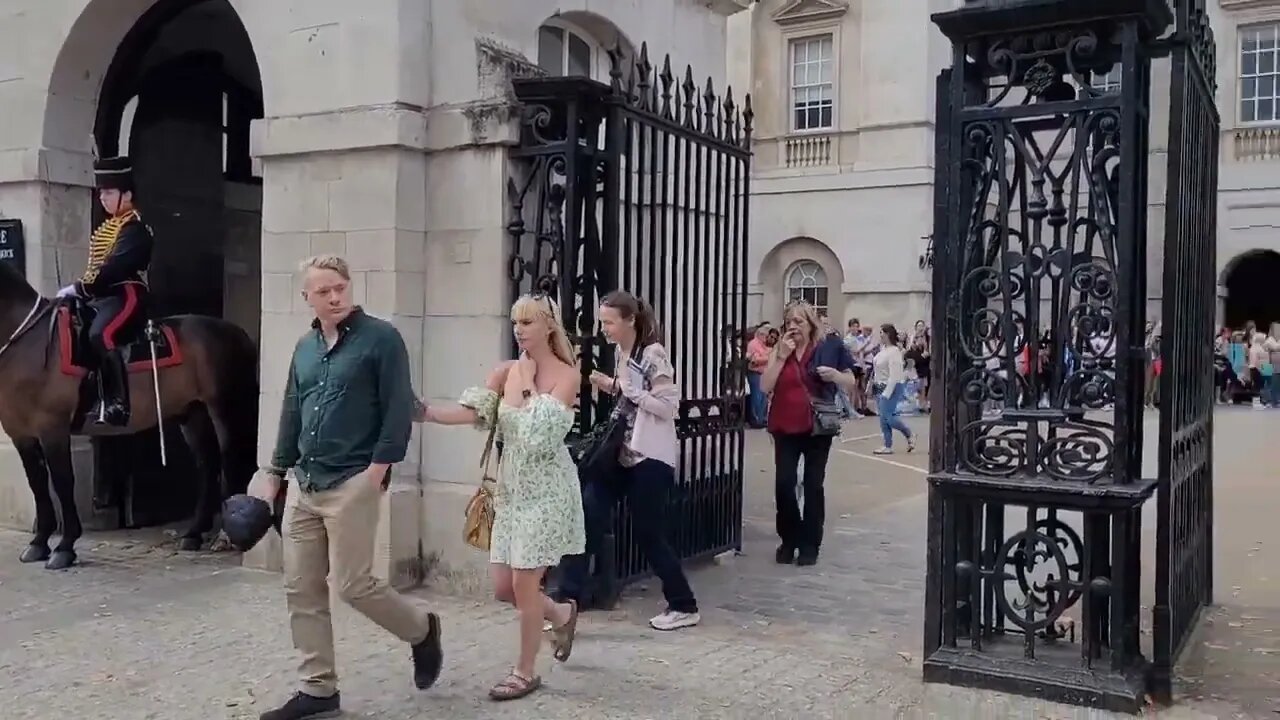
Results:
<point x="346" y="419"/>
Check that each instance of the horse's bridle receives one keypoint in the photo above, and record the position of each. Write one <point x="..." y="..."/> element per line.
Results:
<point x="27" y="324"/>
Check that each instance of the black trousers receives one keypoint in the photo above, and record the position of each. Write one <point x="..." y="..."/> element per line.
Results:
<point x="647" y="487"/>
<point x="803" y="532"/>
<point x="118" y="318"/>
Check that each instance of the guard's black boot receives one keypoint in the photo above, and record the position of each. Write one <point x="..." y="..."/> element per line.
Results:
<point x="115" y="390"/>
<point x="305" y="707"/>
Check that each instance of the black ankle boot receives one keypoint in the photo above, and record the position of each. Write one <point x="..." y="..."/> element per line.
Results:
<point x="115" y="390"/>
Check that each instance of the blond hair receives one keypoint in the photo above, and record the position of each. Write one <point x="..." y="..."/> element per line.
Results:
<point x="326" y="262"/>
<point x="533" y="307"/>
<point x="807" y="313"/>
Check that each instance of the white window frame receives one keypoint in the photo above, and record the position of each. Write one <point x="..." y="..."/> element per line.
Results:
<point x="1242" y="31"/>
<point x="599" y="62"/>
<point x="792" y="44"/>
<point x="1108" y="82"/>
<point x="821" y="273"/>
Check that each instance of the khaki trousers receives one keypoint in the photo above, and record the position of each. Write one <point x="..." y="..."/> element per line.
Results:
<point x="331" y="533"/>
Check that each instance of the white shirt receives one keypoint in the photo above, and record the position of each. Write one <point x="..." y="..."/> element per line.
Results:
<point x="889" y="368"/>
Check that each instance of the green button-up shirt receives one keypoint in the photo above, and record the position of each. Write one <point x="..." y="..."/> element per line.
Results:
<point x="345" y="407"/>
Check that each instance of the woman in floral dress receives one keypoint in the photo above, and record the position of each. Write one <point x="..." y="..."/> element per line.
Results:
<point x="538" y="504"/>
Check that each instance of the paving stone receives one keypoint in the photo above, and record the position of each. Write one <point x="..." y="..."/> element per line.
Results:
<point x="140" y="631"/>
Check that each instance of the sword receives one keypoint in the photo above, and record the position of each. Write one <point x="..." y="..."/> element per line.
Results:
<point x="155" y="382"/>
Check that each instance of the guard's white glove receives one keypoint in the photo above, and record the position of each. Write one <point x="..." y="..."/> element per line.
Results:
<point x="68" y="291"/>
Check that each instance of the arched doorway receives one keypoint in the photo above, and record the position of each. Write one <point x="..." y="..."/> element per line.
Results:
<point x="178" y="97"/>
<point x="1250" y="280"/>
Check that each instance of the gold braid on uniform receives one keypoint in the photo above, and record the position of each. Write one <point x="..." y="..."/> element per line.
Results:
<point x="103" y="241"/>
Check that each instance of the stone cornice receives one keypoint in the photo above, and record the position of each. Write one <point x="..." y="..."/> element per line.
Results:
<point x="1233" y="5"/>
<point x="800" y="12"/>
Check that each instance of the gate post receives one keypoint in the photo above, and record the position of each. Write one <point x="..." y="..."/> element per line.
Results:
<point x="1036" y="493"/>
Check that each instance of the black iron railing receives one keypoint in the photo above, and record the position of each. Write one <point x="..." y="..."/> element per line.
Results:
<point x="642" y="184"/>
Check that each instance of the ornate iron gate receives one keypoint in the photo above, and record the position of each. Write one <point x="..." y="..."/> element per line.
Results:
<point x="1184" y="535"/>
<point x="1036" y="492"/>
<point x="642" y="184"/>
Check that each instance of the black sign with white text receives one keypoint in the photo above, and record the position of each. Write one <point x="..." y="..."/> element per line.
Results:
<point x="13" y="249"/>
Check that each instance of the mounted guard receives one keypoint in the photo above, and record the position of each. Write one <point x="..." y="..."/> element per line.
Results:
<point x="115" y="285"/>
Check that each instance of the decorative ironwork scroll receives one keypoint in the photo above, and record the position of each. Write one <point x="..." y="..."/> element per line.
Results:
<point x="642" y="184"/>
<point x="1040" y="236"/>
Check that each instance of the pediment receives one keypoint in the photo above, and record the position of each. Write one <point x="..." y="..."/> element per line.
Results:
<point x="796" y="12"/>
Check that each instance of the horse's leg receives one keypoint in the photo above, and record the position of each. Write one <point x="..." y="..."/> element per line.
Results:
<point x="234" y="479"/>
<point x="57" y="453"/>
<point x="198" y="432"/>
<point x="46" y="517"/>
<point x="235" y="474"/>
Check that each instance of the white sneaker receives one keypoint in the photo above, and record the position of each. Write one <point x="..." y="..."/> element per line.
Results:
<point x="672" y="620"/>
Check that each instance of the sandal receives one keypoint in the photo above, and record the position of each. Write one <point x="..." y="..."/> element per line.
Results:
<point x="562" y="637"/>
<point x="514" y="687"/>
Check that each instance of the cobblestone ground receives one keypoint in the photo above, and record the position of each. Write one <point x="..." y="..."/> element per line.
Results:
<point x="140" y="632"/>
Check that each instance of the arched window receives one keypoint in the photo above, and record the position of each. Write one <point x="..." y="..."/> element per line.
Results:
<point x="567" y="50"/>
<point x="807" y="281"/>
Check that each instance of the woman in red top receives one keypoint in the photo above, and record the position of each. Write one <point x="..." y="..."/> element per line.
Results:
<point x="806" y="363"/>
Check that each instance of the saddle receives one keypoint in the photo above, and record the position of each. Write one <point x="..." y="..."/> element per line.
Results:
<point x="76" y="355"/>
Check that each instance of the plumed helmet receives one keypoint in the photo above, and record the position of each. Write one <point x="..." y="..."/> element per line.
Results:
<point x="246" y="520"/>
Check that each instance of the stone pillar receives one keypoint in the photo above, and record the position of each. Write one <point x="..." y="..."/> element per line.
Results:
<point x="468" y="298"/>
<point x="51" y="192"/>
<point x="351" y="183"/>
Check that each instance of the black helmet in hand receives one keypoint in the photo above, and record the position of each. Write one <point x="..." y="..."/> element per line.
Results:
<point x="246" y="520"/>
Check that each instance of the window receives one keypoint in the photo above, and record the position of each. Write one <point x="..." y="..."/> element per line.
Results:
<point x="566" y="52"/>
<point x="1108" y="82"/>
<point x="812" y="84"/>
<point x="808" y="282"/>
<point x="1258" y="73"/>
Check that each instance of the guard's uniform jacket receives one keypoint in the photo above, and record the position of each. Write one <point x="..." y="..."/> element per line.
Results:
<point x="119" y="254"/>
<point x="115" y="285"/>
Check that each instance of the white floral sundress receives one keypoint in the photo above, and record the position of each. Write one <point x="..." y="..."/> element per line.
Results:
<point x="538" y="502"/>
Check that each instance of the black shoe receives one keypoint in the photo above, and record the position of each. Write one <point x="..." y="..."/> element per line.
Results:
<point x="785" y="555"/>
<point x="428" y="655"/>
<point x="305" y="707"/>
<point x="807" y="557"/>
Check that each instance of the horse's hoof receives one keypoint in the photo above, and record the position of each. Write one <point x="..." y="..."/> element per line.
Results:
<point x="190" y="544"/>
<point x="34" y="554"/>
<point x="61" y="560"/>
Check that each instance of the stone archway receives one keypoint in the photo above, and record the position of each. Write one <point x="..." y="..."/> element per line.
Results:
<point x="174" y="84"/>
<point x="793" y="259"/>
<point x="1250" y="281"/>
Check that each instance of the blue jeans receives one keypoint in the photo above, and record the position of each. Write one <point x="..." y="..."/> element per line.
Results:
<point x="888" y="410"/>
<point x="757" y="408"/>
<point x="1274" y="384"/>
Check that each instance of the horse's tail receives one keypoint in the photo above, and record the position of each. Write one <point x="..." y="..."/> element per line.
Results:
<point x="239" y="385"/>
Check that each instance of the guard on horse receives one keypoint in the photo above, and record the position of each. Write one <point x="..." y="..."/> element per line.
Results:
<point x="114" y="285"/>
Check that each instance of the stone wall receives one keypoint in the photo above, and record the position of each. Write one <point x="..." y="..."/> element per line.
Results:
<point x="385" y="138"/>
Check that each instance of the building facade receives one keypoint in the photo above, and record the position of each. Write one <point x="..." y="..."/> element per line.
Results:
<point x="842" y="194"/>
<point x="265" y="132"/>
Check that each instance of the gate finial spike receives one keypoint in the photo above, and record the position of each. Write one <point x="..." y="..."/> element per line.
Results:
<point x="690" y="91"/>
<point x="709" y="104"/>
<point x="667" y="78"/>
<point x="729" y="109"/>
